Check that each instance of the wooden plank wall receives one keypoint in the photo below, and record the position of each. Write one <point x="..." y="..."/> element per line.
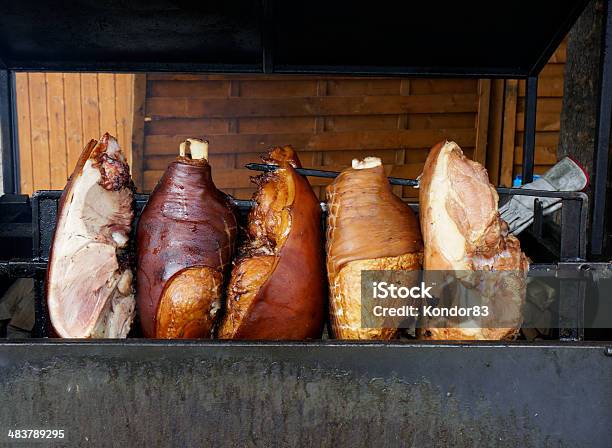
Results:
<point x="506" y="122"/>
<point x="328" y="120"/>
<point x="58" y="113"/>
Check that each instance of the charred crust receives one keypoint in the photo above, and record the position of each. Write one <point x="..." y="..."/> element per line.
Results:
<point x="115" y="173"/>
<point x="125" y="259"/>
<point x="280" y="156"/>
<point x="192" y="162"/>
<point x="262" y="179"/>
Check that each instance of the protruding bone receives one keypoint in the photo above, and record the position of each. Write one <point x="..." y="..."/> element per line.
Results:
<point x="197" y="149"/>
<point x="368" y="162"/>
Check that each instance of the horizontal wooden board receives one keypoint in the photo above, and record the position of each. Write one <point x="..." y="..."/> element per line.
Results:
<point x="357" y="87"/>
<point x="277" y="88"/>
<point x="444" y="121"/>
<point x="192" y="126"/>
<point x="244" y="77"/>
<point x="187" y="89"/>
<point x="544" y="105"/>
<point x="283" y="107"/>
<point x="547" y="87"/>
<point x="545" y="121"/>
<point x="553" y="70"/>
<point x="281" y="125"/>
<point x="329" y="120"/>
<point x="343" y="123"/>
<point x="328" y="141"/>
<point x="560" y="54"/>
<point x="548" y="139"/>
<point x="427" y="86"/>
<point x="543" y="155"/>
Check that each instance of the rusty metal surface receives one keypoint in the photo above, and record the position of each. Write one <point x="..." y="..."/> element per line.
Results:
<point x="308" y="394"/>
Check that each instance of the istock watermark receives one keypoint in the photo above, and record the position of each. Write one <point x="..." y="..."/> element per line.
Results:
<point x="383" y="290"/>
<point x="539" y="299"/>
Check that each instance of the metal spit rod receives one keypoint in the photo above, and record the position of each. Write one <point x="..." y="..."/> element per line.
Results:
<point x="415" y="183"/>
<point x="329" y="174"/>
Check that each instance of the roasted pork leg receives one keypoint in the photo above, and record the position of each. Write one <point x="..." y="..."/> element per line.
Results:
<point x="89" y="280"/>
<point x="185" y="241"/>
<point x="277" y="287"/>
<point x="368" y="228"/>
<point x="463" y="232"/>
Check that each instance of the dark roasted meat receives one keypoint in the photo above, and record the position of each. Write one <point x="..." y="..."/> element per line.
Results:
<point x="277" y="288"/>
<point x="186" y="237"/>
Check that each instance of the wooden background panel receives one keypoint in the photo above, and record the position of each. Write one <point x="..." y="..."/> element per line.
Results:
<point x="329" y="120"/>
<point x="57" y="113"/>
<point x="549" y="104"/>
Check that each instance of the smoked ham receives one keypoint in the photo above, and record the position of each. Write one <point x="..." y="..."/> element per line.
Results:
<point x="185" y="241"/>
<point x="89" y="280"/>
<point x="463" y="232"/>
<point x="277" y="287"/>
<point x="368" y="228"/>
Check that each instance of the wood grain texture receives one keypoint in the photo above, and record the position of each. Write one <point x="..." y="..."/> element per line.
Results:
<point x="548" y="117"/>
<point x="90" y="106"/>
<point x="507" y="160"/>
<point x="282" y="107"/>
<point x="41" y="166"/>
<point x="329" y="120"/>
<point x="482" y="120"/>
<point x="494" y="135"/>
<point x="327" y="141"/>
<point x="137" y="144"/>
<point x="24" y="132"/>
<point x="75" y="140"/>
<point x="58" y="112"/>
<point x="108" y="117"/>
<point x="57" y="130"/>
<point x="124" y="117"/>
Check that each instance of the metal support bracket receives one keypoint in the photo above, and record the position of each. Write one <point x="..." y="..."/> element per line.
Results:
<point x="8" y="147"/>
<point x="572" y="296"/>
<point x="602" y="145"/>
<point x="531" y="102"/>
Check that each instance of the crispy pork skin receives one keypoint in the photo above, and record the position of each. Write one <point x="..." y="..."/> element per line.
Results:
<point x="463" y="232"/>
<point x="368" y="228"/>
<point x="277" y="288"/>
<point x="185" y="241"/>
<point x="89" y="280"/>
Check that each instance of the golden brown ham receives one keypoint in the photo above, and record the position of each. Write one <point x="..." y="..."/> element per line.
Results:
<point x="277" y="288"/>
<point x="368" y="228"/>
<point x="463" y="232"/>
<point x="186" y="237"/>
<point x="89" y="280"/>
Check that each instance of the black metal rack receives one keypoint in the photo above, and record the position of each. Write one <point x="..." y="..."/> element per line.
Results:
<point x="44" y="206"/>
<point x="310" y="393"/>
